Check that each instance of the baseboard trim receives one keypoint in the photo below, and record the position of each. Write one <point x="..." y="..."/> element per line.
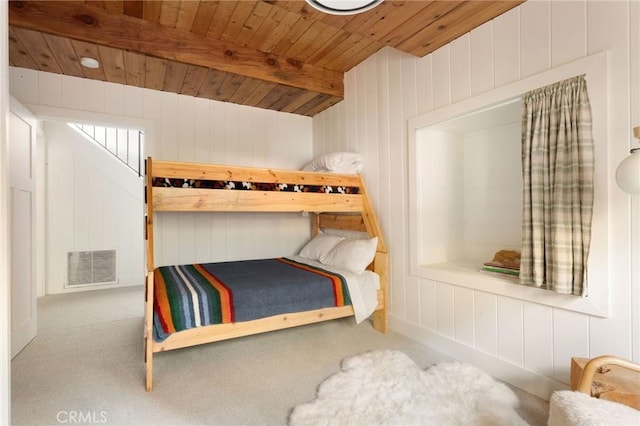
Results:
<point x="515" y="375"/>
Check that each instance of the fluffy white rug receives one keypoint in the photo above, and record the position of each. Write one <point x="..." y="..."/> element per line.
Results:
<point x="388" y="388"/>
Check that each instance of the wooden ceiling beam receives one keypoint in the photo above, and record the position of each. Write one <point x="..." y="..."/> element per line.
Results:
<point x="92" y="24"/>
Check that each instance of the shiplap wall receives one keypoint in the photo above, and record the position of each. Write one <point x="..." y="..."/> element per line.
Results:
<point x="185" y="128"/>
<point x="525" y="343"/>
<point x="95" y="201"/>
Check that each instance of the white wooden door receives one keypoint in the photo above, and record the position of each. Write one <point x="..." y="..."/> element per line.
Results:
<point x="22" y="198"/>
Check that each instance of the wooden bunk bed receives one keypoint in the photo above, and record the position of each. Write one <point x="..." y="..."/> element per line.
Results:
<point x="345" y="211"/>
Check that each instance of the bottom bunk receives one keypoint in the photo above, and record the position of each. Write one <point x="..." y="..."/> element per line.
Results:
<point x="188" y="305"/>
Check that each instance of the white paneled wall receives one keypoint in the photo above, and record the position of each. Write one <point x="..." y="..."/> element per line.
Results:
<point x="492" y="192"/>
<point x="91" y="200"/>
<point x="190" y="129"/>
<point x="525" y="343"/>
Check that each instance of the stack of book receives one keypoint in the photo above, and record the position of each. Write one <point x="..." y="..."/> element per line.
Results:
<point x="504" y="262"/>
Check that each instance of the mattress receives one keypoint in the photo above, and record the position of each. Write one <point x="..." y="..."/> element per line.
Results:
<point x="189" y="296"/>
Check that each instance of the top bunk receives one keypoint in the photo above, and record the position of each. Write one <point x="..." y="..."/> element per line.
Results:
<point x="192" y="187"/>
<point x="179" y="186"/>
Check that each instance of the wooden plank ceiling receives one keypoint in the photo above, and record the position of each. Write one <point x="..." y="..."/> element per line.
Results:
<point x="280" y="55"/>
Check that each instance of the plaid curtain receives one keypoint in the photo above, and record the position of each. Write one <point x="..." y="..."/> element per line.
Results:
<point x="557" y="169"/>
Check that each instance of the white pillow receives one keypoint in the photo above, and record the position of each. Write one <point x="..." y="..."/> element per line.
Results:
<point x="348" y="169"/>
<point x="319" y="246"/>
<point x="353" y="255"/>
<point x="341" y="162"/>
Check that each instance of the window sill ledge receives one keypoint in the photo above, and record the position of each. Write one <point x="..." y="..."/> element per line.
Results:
<point x="468" y="273"/>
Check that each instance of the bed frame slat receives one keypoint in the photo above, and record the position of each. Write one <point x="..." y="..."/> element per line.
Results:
<point x="224" y="200"/>
<point x="169" y="169"/>
<point x="342" y="222"/>
<point x="219" y="332"/>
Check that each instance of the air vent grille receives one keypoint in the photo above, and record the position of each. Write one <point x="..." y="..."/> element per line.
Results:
<point x="91" y="267"/>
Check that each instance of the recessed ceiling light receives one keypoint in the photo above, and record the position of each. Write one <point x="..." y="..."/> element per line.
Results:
<point x="89" y="62"/>
<point x="344" y="7"/>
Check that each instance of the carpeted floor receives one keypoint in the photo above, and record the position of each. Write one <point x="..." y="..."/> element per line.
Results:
<point x="86" y="367"/>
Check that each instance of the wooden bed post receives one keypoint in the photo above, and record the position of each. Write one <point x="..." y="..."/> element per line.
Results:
<point x="148" y="332"/>
<point x="369" y="217"/>
<point x="315" y="224"/>
<point x="380" y="265"/>
<point x="148" y="308"/>
<point x="381" y="261"/>
<point x="149" y="227"/>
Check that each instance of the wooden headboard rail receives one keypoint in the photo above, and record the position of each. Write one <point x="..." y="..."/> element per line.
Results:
<point x="224" y="200"/>
<point x="170" y="169"/>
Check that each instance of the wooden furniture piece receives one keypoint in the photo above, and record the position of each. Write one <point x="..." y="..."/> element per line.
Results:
<point x="349" y="211"/>
<point x="607" y="377"/>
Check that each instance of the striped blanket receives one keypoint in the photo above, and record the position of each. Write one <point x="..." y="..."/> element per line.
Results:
<point x="189" y="296"/>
